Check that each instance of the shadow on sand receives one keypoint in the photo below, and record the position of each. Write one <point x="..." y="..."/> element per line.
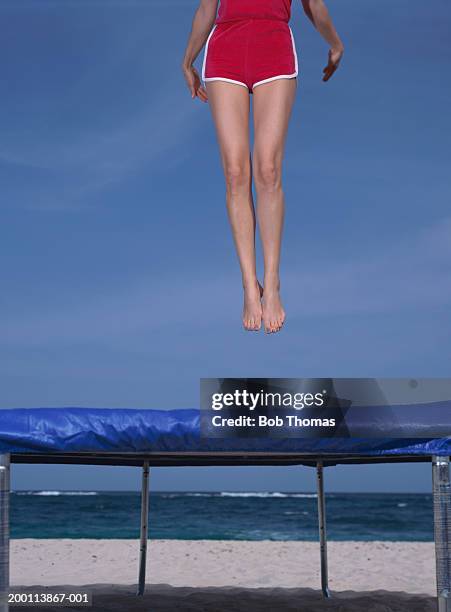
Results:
<point x="166" y="598"/>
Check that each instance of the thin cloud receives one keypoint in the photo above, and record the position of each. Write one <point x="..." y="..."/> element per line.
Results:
<point x="94" y="161"/>
<point x="81" y="138"/>
<point x="412" y="275"/>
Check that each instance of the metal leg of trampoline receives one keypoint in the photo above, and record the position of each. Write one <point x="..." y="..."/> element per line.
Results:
<point x="144" y="529"/>
<point x="4" y="532"/>
<point x="442" y="530"/>
<point x="322" y="530"/>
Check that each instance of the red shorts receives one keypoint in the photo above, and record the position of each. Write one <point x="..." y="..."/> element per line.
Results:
<point x="250" y="52"/>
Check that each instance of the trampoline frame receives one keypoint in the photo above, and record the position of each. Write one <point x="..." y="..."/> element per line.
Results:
<point x="441" y="491"/>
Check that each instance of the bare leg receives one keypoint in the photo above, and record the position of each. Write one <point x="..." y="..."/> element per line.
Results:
<point x="272" y="108"/>
<point x="230" y="109"/>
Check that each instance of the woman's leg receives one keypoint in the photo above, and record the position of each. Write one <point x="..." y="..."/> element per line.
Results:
<point x="230" y="109"/>
<point x="272" y="108"/>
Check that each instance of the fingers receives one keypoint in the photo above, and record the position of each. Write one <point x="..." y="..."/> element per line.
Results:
<point x="329" y="71"/>
<point x="195" y="87"/>
<point x="332" y="65"/>
<point x="199" y="91"/>
<point x="202" y="93"/>
<point x="191" y="84"/>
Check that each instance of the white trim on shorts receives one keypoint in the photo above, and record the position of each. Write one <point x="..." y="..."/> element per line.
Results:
<point x="204" y="63"/>
<point x="226" y="80"/>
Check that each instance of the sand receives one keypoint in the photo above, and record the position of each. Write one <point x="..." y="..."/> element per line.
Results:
<point x="222" y="575"/>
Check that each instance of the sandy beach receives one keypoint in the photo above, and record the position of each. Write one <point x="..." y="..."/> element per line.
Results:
<point x="233" y="576"/>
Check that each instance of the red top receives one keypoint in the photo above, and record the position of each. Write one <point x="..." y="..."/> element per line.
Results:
<point x="234" y="10"/>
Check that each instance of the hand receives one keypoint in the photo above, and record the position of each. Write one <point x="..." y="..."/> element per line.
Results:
<point x="335" y="55"/>
<point x="193" y="81"/>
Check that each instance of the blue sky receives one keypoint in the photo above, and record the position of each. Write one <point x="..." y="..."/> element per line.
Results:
<point x="120" y="287"/>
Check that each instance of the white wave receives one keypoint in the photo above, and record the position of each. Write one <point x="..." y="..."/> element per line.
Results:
<point x="261" y="494"/>
<point x="55" y="493"/>
<point x="199" y="494"/>
<point x="304" y="495"/>
<point x="178" y="495"/>
<point x="402" y="505"/>
<point x="266" y="494"/>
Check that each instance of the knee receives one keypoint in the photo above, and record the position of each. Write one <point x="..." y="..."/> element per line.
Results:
<point x="267" y="175"/>
<point x="237" y="177"/>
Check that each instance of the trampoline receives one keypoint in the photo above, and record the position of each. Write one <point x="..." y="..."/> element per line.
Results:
<point x="146" y="438"/>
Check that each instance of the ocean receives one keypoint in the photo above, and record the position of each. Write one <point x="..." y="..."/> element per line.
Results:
<point x="221" y="516"/>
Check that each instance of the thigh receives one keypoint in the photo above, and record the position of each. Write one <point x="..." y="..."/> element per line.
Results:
<point x="229" y="105"/>
<point x="272" y="106"/>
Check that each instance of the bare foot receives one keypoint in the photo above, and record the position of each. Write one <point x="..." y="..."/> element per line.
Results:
<point x="273" y="312"/>
<point x="252" y="309"/>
